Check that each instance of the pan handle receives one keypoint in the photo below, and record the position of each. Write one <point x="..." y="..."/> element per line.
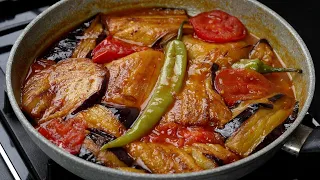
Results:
<point x="312" y="143"/>
<point x="304" y="140"/>
<point x="305" y="145"/>
<point x="297" y="139"/>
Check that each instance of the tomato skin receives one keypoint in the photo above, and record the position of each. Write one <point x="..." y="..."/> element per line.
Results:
<point x="111" y="49"/>
<point x="178" y="135"/>
<point x="218" y="26"/>
<point x="241" y="84"/>
<point x="68" y="134"/>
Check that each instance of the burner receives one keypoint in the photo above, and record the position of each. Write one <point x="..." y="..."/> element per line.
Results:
<point x="22" y="159"/>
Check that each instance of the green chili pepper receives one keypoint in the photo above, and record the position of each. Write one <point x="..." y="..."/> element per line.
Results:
<point x="169" y="83"/>
<point x="259" y="66"/>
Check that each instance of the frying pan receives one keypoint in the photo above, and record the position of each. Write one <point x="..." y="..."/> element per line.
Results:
<point x="259" y="19"/>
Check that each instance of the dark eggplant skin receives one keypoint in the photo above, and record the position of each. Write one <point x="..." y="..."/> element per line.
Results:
<point x="101" y="36"/>
<point x="292" y="116"/>
<point x="126" y="115"/>
<point x="265" y="41"/>
<point x="64" y="48"/>
<point x="100" y="138"/>
<point x="214" y="159"/>
<point x="235" y="105"/>
<point x="255" y="46"/>
<point x="122" y="155"/>
<point x="96" y="97"/>
<point x="214" y="69"/>
<point x="275" y="97"/>
<point x="236" y="122"/>
<point x="271" y="99"/>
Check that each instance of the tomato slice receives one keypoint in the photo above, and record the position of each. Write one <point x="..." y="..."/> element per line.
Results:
<point x="179" y="135"/>
<point x="218" y="26"/>
<point x="68" y="134"/>
<point x="111" y="49"/>
<point x="241" y="84"/>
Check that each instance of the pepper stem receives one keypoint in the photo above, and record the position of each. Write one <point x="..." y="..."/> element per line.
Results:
<point x="284" y="70"/>
<point x="180" y="31"/>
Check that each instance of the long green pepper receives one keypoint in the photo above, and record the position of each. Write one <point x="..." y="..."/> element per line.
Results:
<point x="259" y="66"/>
<point x="169" y="83"/>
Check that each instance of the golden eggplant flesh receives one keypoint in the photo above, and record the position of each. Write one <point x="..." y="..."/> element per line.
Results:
<point x="91" y="152"/>
<point x="257" y="127"/>
<point x="198" y="103"/>
<point x="66" y="87"/>
<point x="89" y="39"/>
<point x="100" y="117"/>
<point x="163" y="158"/>
<point x="133" y="77"/>
<point x="145" y="27"/>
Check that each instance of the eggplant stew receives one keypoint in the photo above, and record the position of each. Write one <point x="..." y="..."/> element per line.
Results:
<point x="154" y="90"/>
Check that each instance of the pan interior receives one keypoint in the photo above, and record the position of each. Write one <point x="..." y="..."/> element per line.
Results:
<point x="65" y="15"/>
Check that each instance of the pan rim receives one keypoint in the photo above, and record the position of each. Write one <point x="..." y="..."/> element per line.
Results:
<point x="219" y="170"/>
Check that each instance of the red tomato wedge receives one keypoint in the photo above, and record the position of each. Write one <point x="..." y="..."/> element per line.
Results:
<point x="111" y="49"/>
<point x="218" y="26"/>
<point x="68" y="134"/>
<point x="179" y="135"/>
<point x="241" y="84"/>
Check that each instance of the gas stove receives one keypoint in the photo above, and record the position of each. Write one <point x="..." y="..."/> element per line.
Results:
<point x="22" y="159"/>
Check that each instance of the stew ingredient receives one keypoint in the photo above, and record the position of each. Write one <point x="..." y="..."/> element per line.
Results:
<point x="169" y="83"/>
<point x="242" y="84"/>
<point x="107" y="93"/>
<point x="218" y="26"/>
<point x="112" y="49"/>
<point x="259" y="66"/>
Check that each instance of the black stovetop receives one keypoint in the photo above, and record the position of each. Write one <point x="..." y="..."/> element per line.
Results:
<point x="29" y="162"/>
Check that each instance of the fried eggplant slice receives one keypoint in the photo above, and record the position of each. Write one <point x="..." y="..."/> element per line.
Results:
<point x="263" y="51"/>
<point x="244" y="111"/>
<point x="100" y="117"/>
<point x="200" y="158"/>
<point x="90" y="151"/>
<point x="256" y="128"/>
<point x="133" y="77"/>
<point x="89" y="40"/>
<point x="160" y="158"/>
<point x="38" y="66"/>
<point x="222" y="54"/>
<point x="278" y="131"/>
<point x="114" y="157"/>
<point x="65" y="47"/>
<point x="36" y="97"/>
<point x="198" y="103"/>
<point x="100" y="138"/>
<point x="146" y="26"/>
<point x="233" y="125"/>
<point x="68" y="86"/>
<point x="217" y="151"/>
